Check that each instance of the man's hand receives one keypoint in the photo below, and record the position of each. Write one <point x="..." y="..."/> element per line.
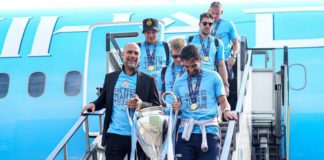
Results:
<point x="134" y="103"/>
<point x="231" y="62"/>
<point x="90" y="106"/>
<point x="228" y="115"/>
<point x="176" y="105"/>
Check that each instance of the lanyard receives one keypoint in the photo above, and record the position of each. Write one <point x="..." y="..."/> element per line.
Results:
<point x="150" y="57"/>
<point x="215" y="28"/>
<point x="193" y="93"/>
<point x="204" y="49"/>
<point x="174" y="76"/>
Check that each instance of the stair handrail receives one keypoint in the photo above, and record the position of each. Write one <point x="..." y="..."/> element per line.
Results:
<point x="232" y="124"/>
<point x="63" y="143"/>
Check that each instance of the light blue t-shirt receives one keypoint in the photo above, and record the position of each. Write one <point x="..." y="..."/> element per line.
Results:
<point x="170" y="76"/>
<point x="211" y="87"/>
<point x="209" y="62"/>
<point x="125" y="89"/>
<point x="157" y="62"/>
<point x="225" y="31"/>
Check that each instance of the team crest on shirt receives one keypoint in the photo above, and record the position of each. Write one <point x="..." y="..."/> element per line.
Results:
<point x="125" y="83"/>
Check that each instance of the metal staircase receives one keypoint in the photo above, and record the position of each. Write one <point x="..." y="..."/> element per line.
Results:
<point x="258" y="134"/>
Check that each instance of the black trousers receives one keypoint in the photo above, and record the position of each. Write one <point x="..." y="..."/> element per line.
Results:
<point x="117" y="146"/>
<point x="232" y="98"/>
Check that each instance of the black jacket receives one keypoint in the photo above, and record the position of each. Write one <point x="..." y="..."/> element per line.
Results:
<point x="145" y="89"/>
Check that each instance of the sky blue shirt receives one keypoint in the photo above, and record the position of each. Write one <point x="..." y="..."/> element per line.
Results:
<point x="226" y="31"/>
<point x="158" y="62"/>
<point x="169" y="80"/>
<point x="125" y="89"/>
<point x="210" y="63"/>
<point x="211" y="87"/>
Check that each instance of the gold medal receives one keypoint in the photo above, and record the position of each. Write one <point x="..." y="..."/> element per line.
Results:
<point x="193" y="106"/>
<point x="151" y="68"/>
<point x="206" y="58"/>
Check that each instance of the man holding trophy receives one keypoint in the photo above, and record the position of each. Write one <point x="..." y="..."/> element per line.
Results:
<point x="123" y="90"/>
<point x="200" y="91"/>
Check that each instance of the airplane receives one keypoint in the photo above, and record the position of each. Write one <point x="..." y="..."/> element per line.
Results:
<point x="53" y="57"/>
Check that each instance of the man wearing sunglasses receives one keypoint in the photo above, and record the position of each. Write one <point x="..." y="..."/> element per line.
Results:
<point x="170" y="73"/>
<point x="211" y="49"/>
<point x="174" y="70"/>
<point x="226" y="31"/>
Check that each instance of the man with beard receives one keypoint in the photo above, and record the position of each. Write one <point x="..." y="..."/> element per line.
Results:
<point x="123" y="90"/>
<point x="211" y="49"/>
<point x="155" y="53"/>
<point x="199" y="90"/>
<point x="226" y="31"/>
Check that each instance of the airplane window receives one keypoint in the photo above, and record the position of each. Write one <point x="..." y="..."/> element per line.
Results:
<point x="36" y="84"/>
<point x="72" y="85"/>
<point x="4" y="84"/>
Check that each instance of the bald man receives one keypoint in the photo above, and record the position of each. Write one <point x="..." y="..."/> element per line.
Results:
<point x="123" y="90"/>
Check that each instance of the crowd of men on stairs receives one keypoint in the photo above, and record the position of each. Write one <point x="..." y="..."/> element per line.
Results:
<point x="200" y="70"/>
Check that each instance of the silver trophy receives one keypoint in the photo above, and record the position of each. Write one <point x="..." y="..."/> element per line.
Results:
<point x="153" y="130"/>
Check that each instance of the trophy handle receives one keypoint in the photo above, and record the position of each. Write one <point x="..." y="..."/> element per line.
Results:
<point x="166" y="93"/>
<point x="129" y="118"/>
<point x="169" y="105"/>
<point x="133" y="133"/>
<point x="171" y="131"/>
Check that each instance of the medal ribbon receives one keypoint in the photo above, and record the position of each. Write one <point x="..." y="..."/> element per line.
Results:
<point x="203" y="48"/>
<point x="215" y="28"/>
<point x="193" y="93"/>
<point x="150" y="57"/>
<point x="174" y="76"/>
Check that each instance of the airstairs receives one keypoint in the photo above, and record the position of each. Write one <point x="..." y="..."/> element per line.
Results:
<point x="258" y="134"/>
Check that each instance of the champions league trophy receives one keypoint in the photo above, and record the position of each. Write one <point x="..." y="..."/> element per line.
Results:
<point x="153" y="129"/>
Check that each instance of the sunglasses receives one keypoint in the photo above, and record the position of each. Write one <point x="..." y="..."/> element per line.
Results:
<point x="176" y="56"/>
<point x="205" y="23"/>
